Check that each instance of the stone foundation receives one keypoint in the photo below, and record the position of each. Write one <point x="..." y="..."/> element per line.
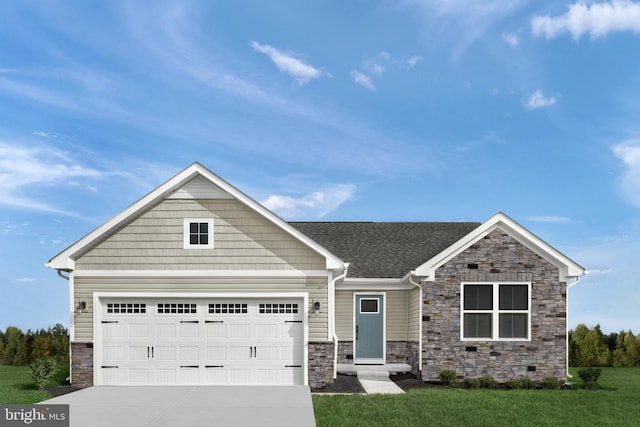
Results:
<point x="397" y="352"/>
<point x="81" y="364"/>
<point x="320" y="364"/>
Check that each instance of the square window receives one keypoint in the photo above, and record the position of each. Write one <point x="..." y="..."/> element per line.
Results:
<point x="198" y="233"/>
<point x="369" y="305"/>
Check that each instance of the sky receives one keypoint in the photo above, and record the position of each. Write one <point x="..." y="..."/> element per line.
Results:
<point x="411" y="110"/>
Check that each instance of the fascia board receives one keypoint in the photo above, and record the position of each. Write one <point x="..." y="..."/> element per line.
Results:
<point x="568" y="268"/>
<point x="65" y="259"/>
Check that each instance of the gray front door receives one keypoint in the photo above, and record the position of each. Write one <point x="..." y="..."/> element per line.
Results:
<point x="369" y="328"/>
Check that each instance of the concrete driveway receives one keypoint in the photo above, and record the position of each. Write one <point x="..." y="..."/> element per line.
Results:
<point x="187" y="406"/>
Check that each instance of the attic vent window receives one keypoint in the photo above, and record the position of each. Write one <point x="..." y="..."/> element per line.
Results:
<point x="198" y="233"/>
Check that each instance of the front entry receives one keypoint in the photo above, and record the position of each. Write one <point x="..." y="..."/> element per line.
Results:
<point x="369" y="328"/>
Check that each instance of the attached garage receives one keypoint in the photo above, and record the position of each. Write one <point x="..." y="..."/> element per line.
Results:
<point x="200" y="341"/>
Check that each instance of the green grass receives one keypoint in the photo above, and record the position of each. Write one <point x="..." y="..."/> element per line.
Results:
<point x="17" y="386"/>
<point x="616" y="403"/>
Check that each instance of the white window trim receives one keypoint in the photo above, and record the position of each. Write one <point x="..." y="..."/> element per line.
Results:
<point x="186" y="234"/>
<point x="495" y="312"/>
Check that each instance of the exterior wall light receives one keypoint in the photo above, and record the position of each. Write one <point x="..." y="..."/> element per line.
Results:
<point x="82" y="305"/>
<point x="316" y="307"/>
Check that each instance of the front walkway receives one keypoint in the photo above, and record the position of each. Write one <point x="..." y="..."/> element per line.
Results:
<point x="169" y="406"/>
<point x="375" y="378"/>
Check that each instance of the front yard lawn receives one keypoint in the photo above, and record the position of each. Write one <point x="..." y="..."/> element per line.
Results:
<point x="616" y="403"/>
<point x="17" y="386"/>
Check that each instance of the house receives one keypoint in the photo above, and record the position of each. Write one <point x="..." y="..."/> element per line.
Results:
<point x="196" y="283"/>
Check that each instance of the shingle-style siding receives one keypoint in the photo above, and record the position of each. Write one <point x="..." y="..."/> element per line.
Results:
<point x="243" y="240"/>
<point x="499" y="258"/>
<point x="86" y="286"/>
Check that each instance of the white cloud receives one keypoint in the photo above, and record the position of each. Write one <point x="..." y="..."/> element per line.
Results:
<point x="413" y="61"/>
<point x="362" y="79"/>
<point x="26" y="279"/>
<point x="629" y="183"/>
<point x="287" y="62"/>
<point x="314" y="205"/>
<point x="22" y="166"/>
<point x="510" y="38"/>
<point x="551" y="219"/>
<point x="538" y="100"/>
<point x="597" y="20"/>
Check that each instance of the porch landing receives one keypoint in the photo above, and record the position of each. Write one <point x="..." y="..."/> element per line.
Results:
<point x="391" y="368"/>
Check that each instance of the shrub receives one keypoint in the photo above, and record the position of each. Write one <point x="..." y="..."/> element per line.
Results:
<point x="487" y="382"/>
<point x="448" y="377"/>
<point x="42" y="370"/>
<point x="472" y="382"/>
<point x="590" y="376"/>
<point x="552" y="383"/>
<point x="521" y="384"/>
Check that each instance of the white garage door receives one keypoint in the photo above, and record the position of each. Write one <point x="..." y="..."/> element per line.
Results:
<point x="206" y="342"/>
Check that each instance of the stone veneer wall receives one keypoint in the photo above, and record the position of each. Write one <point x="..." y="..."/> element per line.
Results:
<point x="499" y="258"/>
<point x="81" y="364"/>
<point x="320" y="364"/>
<point x="397" y="352"/>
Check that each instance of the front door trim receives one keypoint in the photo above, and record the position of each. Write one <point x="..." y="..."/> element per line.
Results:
<point x="382" y="309"/>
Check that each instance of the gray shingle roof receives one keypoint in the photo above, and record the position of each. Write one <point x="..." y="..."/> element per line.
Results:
<point x="385" y="249"/>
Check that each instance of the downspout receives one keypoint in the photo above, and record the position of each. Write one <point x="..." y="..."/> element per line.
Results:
<point x="411" y="275"/>
<point x="567" y="325"/>
<point x="332" y="305"/>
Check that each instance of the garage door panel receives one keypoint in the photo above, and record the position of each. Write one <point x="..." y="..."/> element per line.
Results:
<point x="166" y="330"/>
<point x="248" y="341"/>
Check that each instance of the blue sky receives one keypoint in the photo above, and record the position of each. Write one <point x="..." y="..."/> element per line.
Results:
<point x="414" y="110"/>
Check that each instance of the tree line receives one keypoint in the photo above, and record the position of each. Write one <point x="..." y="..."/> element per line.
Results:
<point x="590" y="347"/>
<point x="23" y="348"/>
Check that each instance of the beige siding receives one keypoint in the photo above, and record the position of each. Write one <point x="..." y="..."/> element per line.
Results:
<point x="243" y="240"/>
<point x="315" y="286"/>
<point x="344" y="315"/>
<point x="414" y="315"/>
<point x="396" y="311"/>
<point x="397" y="315"/>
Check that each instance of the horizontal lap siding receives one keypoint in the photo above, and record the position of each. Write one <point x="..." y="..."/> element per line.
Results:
<point x="396" y="312"/>
<point x="414" y="315"/>
<point x="243" y="240"/>
<point x="315" y="286"/>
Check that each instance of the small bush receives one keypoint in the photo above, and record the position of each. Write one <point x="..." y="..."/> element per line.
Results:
<point x="42" y="370"/>
<point x="447" y="377"/>
<point x="550" y="383"/>
<point x="472" y="383"/>
<point x="590" y="376"/>
<point x="487" y="382"/>
<point x="521" y="384"/>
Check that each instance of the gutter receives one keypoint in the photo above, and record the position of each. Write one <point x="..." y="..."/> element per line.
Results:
<point x="567" y="325"/>
<point x="332" y="327"/>
<point x="410" y="276"/>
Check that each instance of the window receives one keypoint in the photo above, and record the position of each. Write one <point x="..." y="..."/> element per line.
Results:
<point x="369" y="305"/>
<point x="496" y="311"/>
<point x="198" y="233"/>
<point x="227" y="308"/>
<point x="177" y="308"/>
<point x="126" y="308"/>
<point x="277" y="308"/>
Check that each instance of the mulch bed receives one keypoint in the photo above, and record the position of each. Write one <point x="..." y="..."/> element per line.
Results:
<point x="59" y="390"/>
<point x="342" y="384"/>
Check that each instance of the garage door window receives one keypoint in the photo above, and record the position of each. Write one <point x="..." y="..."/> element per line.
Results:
<point x="177" y="308"/>
<point x="278" y="308"/>
<point x="126" y="308"/>
<point x="227" y="308"/>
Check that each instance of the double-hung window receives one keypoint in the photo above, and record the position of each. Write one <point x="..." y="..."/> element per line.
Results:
<point x="496" y="311"/>
<point x="198" y="233"/>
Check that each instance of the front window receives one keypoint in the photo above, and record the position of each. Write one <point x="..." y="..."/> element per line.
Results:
<point x="198" y="233"/>
<point x="496" y="311"/>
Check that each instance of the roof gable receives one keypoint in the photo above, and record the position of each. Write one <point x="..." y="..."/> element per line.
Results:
<point x="196" y="181"/>
<point x="568" y="268"/>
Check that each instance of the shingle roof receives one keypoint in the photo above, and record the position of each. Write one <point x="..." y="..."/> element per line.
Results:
<point x="385" y="249"/>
